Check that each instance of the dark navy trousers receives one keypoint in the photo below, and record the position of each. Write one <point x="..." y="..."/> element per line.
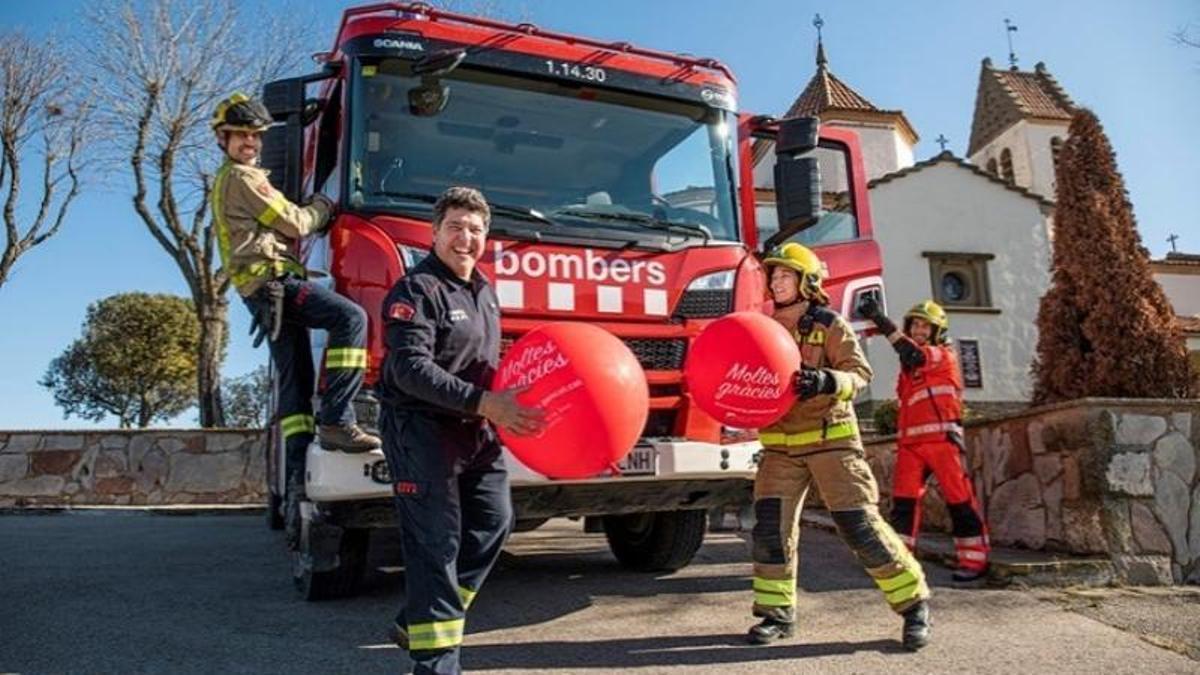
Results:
<point x="452" y="497"/>
<point x="308" y="305"/>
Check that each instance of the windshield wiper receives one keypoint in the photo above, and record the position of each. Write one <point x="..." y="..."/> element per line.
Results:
<point x="418" y="196"/>
<point x="639" y="218"/>
<point x="521" y="213"/>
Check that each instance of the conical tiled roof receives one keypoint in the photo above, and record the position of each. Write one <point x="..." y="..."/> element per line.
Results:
<point x="1005" y="97"/>
<point x="826" y="96"/>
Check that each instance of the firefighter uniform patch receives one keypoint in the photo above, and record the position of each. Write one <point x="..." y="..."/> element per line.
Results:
<point x="406" y="488"/>
<point x="264" y="189"/>
<point x="401" y="311"/>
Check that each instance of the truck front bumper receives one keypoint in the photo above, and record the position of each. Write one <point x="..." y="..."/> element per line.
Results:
<point x="679" y="475"/>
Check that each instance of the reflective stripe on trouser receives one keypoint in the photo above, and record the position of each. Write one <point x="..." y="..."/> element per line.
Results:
<point x="780" y="487"/>
<point x="299" y="423"/>
<point x="774" y="592"/>
<point x="345" y="357"/>
<point x="944" y="460"/>
<point x="831" y="433"/>
<point x="291" y="355"/>
<point x="972" y="552"/>
<point x="435" y="635"/>
<point x="309" y="305"/>
<point x="467" y="596"/>
<point x="455" y="514"/>
<point x="889" y="562"/>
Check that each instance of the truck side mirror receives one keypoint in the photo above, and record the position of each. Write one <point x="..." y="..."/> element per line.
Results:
<point x="283" y="144"/>
<point x="797" y="178"/>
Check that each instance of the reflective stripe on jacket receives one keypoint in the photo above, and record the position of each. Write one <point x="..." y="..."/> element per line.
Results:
<point x="930" y="397"/>
<point x="257" y="228"/>
<point x="826" y="421"/>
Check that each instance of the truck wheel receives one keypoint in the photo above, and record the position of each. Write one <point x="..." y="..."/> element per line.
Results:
<point x="328" y="561"/>
<point x="662" y="541"/>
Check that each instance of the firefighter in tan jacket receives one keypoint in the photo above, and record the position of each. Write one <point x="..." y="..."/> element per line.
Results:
<point x="258" y="234"/>
<point x="817" y="441"/>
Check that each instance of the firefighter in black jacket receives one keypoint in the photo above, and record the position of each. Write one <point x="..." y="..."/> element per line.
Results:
<point x="442" y="330"/>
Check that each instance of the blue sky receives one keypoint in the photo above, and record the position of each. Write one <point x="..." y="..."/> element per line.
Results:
<point x="922" y="57"/>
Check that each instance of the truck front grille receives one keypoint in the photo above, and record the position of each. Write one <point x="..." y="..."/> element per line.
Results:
<point x="658" y="353"/>
<point x="652" y="353"/>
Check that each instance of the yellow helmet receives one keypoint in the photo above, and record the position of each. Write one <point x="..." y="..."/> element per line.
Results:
<point x="933" y="313"/>
<point x="806" y="263"/>
<point x="239" y="112"/>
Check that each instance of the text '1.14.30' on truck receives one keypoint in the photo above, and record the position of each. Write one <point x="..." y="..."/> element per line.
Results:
<point x="627" y="192"/>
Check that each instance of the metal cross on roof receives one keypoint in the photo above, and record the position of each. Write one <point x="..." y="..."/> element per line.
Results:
<point x="1173" y="238"/>
<point x="1009" y="29"/>
<point x="942" y="141"/>
<point x="818" y="23"/>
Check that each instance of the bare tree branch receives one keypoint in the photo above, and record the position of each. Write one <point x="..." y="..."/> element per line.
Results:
<point x="38" y="98"/>
<point x="1188" y="36"/>
<point x="161" y="68"/>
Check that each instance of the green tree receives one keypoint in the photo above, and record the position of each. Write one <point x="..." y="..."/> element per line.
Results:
<point x="1105" y="328"/>
<point x="136" y="360"/>
<point x="248" y="398"/>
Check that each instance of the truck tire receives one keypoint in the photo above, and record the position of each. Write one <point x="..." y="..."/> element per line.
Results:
<point x="662" y="541"/>
<point x="321" y="574"/>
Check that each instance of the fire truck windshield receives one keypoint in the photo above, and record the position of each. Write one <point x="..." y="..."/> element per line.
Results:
<point x="582" y="158"/>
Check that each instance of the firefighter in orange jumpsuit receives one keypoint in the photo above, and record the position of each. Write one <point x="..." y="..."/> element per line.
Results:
<point x="930" y="434"/>
<point x="817" y="442"/>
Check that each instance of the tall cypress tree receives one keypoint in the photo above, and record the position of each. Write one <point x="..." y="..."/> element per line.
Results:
<point x="1105" y="327"/>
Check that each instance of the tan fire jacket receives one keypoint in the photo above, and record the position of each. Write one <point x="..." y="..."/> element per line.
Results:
<point x="258" y="229"/>
<point x="826" y="421"/>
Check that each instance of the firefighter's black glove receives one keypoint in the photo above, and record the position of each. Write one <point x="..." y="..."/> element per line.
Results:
<point x="869" y="308"/>
<point x="810" y="382"/>
<point x="911" y="356"/>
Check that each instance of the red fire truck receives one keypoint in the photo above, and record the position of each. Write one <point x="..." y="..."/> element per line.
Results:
<point x="626" y="191"/>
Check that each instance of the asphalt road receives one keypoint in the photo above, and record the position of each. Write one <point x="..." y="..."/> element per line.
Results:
<point x="134" y="593"/>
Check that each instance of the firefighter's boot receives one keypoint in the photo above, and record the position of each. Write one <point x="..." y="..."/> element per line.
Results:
<point x="916" y="626"/>
<point x="770" y="630"/>
<point x="973" y="577"/>
<point x="349" y="438"/>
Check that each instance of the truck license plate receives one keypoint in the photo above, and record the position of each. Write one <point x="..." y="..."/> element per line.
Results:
<point x="641" y="461"/>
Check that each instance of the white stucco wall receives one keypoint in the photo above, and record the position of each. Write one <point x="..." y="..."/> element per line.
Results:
<point x="1183" y="291"/>
<point x="1033" y="159"/>
<point x="948" y="208"/>
<point x="884" y="148"/>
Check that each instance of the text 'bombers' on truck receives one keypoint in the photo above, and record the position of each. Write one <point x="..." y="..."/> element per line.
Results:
<point x="626" y="191"/>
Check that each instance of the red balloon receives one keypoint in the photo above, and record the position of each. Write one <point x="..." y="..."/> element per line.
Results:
<point x="594" y="393"/>
<point x="739" y="370"/>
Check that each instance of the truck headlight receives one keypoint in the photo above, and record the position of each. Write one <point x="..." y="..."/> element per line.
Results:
<point x="706" y="297"/>
<point x="717" y="281"/>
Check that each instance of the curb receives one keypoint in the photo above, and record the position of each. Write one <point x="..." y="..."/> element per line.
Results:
<point x="1009" y="567"/>
<point x="138" y="510"/>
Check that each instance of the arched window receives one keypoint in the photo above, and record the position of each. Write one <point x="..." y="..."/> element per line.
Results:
<point x="992" y="167"/>
<point x="1056" y="144"/>
<point x="1006" y="166"/>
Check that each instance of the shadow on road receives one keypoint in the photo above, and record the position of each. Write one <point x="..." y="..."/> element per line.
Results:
<point x="681" y="650"/>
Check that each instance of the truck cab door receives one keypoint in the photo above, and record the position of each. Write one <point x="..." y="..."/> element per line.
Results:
<point x="781" y="180"/>
<point x="840" y="230"/>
